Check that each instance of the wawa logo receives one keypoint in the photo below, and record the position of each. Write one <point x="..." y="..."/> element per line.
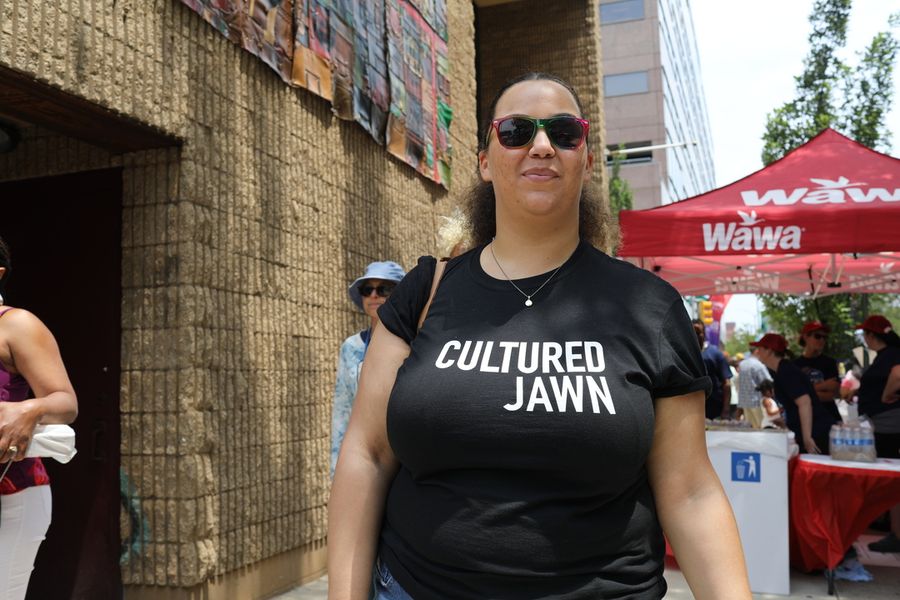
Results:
<point x="829" y="191"/>
<point x="749" y="235"/>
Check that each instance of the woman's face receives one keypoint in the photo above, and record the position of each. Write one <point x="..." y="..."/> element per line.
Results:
<point x="373" y="299"/>
<point x="538" y="178"/>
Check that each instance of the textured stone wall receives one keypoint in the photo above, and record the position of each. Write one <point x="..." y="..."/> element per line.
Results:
<point x="237" y="248"/>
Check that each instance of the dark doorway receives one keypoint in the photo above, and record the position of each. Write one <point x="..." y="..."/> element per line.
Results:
<point x="64" y="235"/>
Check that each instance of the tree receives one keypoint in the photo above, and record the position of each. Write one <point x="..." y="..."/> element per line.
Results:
<point x="740" y="342"/>
<point x="854" y="101"/>
<point x="620" y="194"/>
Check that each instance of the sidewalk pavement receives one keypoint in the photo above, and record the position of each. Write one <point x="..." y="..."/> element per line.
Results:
<point x="886" y="586"/>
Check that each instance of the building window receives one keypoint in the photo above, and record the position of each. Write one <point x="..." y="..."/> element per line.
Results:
<point x="626" y="83"/>
<point x="626" y="10"/>
<point x="631" y="158"/>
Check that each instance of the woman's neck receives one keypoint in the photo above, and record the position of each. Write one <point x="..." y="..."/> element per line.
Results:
<point x="524" y="254"/>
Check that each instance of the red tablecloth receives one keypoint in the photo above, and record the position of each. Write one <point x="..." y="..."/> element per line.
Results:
<point x="832" y="504"/>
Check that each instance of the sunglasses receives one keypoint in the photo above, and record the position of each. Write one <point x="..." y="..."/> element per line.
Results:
<point x="818" y="336"/>
<point x="565" y="132"/>
<point x="384" y="290"/>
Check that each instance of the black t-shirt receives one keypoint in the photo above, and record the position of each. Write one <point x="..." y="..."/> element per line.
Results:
<point x="790" y="384"/>
<point x="818" y="369"/>
<point x="522" y="432"/>
<point x="871" y="385"/>
<point x="719" y="372"/>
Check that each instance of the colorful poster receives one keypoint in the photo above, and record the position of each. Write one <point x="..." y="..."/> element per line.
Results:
<point x="264" y="28"/>
<point x="420" y="114"/>
<point x="312" y="69"/>
<point x="381" y="63"/>
<point x="268" y="32"/>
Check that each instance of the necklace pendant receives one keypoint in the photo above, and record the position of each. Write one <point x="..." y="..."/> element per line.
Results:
<point x="528" y="302"/>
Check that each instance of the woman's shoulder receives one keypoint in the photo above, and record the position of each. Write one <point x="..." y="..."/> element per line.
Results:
<point x="19" y="320"/>
<point x="626" y="276"/>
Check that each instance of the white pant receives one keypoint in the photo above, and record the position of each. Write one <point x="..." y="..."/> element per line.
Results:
<point x="24" y="519"/>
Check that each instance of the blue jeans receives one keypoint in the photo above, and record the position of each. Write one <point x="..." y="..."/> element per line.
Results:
<point x="386" y="587"/>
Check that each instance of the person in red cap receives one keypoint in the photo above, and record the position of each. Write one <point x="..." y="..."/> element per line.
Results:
<point x="820" y="368"/>
<point x="809" y="420"/>
<point x="879" y="398"/>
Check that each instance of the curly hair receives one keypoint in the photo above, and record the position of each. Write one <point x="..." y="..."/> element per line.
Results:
<point x="595" y="224"/>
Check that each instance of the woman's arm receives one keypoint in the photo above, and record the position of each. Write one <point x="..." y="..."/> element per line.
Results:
<point x="365" y="468"/>
<point x="805" y="410"/>
<point x="692" y="506"/>
<point x="35" y="356"/>
<point x="891" y="391"/>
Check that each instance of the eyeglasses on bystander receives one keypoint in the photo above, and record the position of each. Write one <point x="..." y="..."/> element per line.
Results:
<point x="384" y="290"/>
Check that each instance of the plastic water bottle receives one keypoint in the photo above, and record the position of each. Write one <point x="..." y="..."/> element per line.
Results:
<point x="868" y="442"/>
<point x="833" y="441"/>
<point x="855" y="444"/>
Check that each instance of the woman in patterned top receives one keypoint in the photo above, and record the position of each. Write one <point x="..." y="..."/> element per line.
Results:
<point x="367" y="292"/>
<point x="29" y="361"/>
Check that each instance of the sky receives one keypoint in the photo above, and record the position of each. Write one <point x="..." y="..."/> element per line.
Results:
<point x="750" y="53"/>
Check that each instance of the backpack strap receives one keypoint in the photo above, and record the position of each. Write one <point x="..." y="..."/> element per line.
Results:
<point x="438" y="273"/>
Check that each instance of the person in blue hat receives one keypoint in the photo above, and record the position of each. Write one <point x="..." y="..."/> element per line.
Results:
<point x="367" y="292"/>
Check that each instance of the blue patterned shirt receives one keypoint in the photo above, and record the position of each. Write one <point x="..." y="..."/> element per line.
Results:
<point x="349" y="363"/>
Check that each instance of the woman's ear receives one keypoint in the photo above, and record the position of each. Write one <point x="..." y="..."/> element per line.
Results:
<point x="589" y="166"/>
<point x="483" y="166"/>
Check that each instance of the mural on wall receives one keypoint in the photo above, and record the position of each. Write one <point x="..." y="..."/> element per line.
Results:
<point x="264" y="28"/>
<point x="381" y="63"/>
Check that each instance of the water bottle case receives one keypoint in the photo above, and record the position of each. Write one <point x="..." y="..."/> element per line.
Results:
<point x="853" y="443"/>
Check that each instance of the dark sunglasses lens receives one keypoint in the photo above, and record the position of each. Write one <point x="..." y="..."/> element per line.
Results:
<point x="819" y="336"/>
<point x="565" y="132"/>
<point x="515" y="132"/>
<point x="382" y="290"/>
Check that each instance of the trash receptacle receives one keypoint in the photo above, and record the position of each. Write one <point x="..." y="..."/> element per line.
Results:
<point x="752" y="466"/>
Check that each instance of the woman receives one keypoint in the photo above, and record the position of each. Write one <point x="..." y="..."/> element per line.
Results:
<point x="546" y="417"/>
<point x="803" y="413"/>
<point x="821" y="369"/>
<point x="367" y="292"/>
<point x="879" y="392"/>
<point x="29" y="359"/>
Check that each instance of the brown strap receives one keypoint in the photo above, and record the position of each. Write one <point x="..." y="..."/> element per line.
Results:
<point x="438" y="272"/>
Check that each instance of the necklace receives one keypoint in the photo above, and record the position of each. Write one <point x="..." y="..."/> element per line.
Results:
<point x="528" y="301"/>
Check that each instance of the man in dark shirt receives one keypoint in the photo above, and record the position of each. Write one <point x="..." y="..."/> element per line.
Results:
<point x="821" y="369"/>
<point x="718" y="404"/>
<point x="809" y="420"/>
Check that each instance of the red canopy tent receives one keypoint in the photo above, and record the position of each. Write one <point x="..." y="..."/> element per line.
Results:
<point x="823" y="219"/>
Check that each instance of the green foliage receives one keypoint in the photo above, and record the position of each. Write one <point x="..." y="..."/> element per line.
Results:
<point x="786" y="315"/>
<point x="740" y="342"/>
<point x="829" y="93"/>
<point x="620" y="195"/>
<point x="854" y="101"/>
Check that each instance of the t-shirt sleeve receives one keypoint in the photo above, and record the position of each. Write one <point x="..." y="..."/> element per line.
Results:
<point x="400" y="313"/>
<point x="724" y="369"/>
<point x="794" y="383"/>
<point x="680" y="368"/>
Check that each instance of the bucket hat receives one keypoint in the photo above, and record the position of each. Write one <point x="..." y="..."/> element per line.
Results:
<point x="387" y="270"/>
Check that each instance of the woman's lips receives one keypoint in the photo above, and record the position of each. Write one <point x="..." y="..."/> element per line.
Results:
<point x="539" y="175"/>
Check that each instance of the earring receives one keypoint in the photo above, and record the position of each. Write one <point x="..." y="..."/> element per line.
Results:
<point x="1" y="299"/>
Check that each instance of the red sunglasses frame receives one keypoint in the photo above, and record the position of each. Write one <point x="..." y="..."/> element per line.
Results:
<point x="538" y="124"/>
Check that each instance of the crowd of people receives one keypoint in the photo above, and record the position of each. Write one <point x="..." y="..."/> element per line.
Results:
<point x="803" y="393"/>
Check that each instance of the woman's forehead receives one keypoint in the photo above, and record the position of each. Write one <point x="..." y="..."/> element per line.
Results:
<point x="541" y="94"/>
